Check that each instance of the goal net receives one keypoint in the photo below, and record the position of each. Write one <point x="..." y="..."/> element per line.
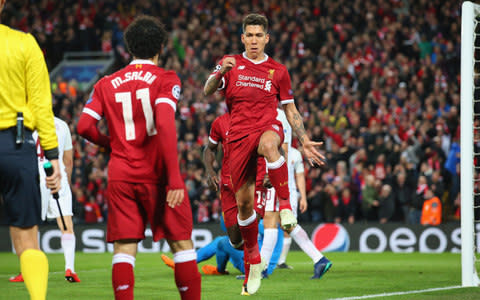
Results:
<point x="470" y="142"/>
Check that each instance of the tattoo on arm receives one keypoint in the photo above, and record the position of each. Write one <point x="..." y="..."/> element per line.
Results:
<point x="296" y="121"/>
<point x="211" y="85"/>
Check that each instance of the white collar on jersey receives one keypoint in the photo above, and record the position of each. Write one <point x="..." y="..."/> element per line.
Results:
<point x="255" y="62"/>
<point x="142" y="62"/>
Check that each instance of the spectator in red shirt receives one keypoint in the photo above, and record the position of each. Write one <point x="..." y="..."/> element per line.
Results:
<point x="92" y="212"/>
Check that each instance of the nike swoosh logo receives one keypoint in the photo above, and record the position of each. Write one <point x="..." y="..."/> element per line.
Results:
<point x="122" y="287"/>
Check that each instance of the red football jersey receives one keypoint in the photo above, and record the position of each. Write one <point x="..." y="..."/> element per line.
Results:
<point x="218" y="134"/>
<point x="252" y="91"/>
<point x="127" y="99"/>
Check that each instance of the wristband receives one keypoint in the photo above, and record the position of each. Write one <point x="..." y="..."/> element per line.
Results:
<point x="51" y="154"/>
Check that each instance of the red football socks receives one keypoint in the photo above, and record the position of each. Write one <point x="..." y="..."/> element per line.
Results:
<point x="246" y="265"/>
<point x="187" y="277"/>
<point x="278" y="174"/>
<point x="249" y="231"/>
<point x="123" y="281"/>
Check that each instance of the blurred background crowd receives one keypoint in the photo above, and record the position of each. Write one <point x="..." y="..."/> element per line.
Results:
<point x="376" y="80"/>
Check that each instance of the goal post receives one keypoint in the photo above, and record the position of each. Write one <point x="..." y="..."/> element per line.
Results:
<point x="470" y="13"/>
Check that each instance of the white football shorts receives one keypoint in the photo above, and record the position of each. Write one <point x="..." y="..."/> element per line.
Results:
<point x="271" y="203"/>
<point x="49" y="204"/>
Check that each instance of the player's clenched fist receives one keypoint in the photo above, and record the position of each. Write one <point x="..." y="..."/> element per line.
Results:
<point x="227" y="65"/>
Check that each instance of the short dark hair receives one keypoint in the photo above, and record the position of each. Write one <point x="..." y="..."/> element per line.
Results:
<point x="255" y="19"/>
<point x="145" y="37"/>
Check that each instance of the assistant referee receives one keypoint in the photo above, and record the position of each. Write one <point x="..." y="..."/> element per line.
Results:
<point x="25" y="94"/>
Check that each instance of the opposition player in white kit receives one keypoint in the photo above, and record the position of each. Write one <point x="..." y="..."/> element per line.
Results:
<point x="49" y="204"/>
<point x="271" y="218"/>
<point x="298" y="197"/>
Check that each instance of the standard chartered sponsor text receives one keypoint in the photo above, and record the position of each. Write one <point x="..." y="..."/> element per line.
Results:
<point x="249" y="84"/>
<point x="251" y="78"/>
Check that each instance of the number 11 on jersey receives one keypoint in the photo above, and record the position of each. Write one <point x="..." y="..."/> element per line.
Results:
<point x="126" y="99"/>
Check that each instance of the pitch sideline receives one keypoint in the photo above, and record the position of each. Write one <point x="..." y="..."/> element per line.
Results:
<point x="398" y="293"/>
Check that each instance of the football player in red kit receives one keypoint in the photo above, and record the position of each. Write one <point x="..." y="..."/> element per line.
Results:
<point x="218" y="135"/>
<point x="144" y="181"/>
<point x="253" y="84"/>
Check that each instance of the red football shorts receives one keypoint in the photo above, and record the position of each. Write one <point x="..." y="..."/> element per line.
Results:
<point x="243" y="155"/>
<point x="229" y="204"/>
<point x="132" y="205"/>
<point x="259" y="205"/>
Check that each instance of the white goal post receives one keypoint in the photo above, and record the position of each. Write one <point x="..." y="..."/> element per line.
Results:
<point x="470" y="13"/>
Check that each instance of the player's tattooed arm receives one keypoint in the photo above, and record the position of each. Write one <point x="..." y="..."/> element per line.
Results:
<point x="309" y="147"/>
<point x="214" y="81"/>
<point x="212" y="85"/>
<point x="296" y="121"/>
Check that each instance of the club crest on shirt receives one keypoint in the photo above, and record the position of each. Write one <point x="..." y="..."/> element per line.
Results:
<point x="270" y="73"/>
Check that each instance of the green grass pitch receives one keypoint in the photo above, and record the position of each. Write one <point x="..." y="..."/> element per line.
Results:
<point x="353" y="274"/>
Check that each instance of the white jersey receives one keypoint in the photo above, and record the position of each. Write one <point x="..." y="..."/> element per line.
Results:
<point x="295" y="162"/>
<point x="49" y="206"/>
<point x="287" y="129"/>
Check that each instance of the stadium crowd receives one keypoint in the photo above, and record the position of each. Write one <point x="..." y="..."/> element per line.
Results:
<point x="376" y="80"/>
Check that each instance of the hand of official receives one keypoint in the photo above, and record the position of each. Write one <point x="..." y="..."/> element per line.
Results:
<point x="53" y="181"/>
<point x="311" y="153"/>
<point x="227" y="64"/>
<point x="212" y="181"/>
<point x="175" y="197"/>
